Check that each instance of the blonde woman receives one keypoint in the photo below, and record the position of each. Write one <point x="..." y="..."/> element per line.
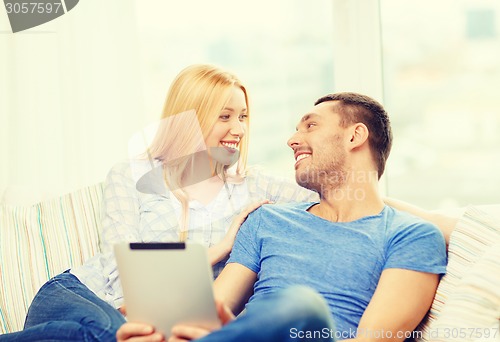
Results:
<point x="185" y="187"/>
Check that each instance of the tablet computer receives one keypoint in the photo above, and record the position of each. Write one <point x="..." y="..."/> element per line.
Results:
<point x="167" y="283"/>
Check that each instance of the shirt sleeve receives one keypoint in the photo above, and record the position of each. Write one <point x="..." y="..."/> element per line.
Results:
<point x="419" y="246"/>
<point x="120" y="222"/>
<point x="246" y="250"/>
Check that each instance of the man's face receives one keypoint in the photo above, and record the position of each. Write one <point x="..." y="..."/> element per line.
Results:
<point x="318" y="147"/>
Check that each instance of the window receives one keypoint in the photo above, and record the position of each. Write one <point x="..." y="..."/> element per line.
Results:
<point x="282" y="51"/>
<point x="441" y="80"/>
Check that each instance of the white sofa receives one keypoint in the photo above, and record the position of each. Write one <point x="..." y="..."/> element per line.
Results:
<point x="42" y="240"/>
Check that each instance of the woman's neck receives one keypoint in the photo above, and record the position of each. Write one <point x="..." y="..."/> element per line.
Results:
<point x="199" y="168"/>
<point x="204" y="191"/>
<point x="199" y="181"/>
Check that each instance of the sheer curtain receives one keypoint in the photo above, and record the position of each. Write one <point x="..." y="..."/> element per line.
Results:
<point x="70" y="98"/>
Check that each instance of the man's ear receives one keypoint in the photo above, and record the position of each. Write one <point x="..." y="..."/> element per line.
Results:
<point x="358" y="135"/>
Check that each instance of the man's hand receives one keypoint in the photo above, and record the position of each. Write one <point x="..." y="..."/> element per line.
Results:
<point x="183" y="333"/>
<point x="138" y="332"/>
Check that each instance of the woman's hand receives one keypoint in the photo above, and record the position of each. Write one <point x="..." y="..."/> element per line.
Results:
<point x="219" y="251"/>
<point x="238" y="221"/>
<point x="183" y="333"/>
<point x="123" y="310"/>
<point x="138" y="332"/>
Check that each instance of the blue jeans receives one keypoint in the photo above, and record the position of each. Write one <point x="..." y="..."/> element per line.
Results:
<point x="66" y="310"/>
<point x="295" y="314"/>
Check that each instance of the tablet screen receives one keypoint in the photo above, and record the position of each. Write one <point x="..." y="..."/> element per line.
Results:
<point x="167" y="283"/>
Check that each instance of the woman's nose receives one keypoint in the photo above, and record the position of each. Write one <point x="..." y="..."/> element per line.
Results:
<point x="237" y="128"/>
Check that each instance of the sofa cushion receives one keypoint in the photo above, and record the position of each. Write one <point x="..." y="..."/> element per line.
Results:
<point x="472" y="310"/>
<point x="37" y="242"/>
<point x="475" y="234"/>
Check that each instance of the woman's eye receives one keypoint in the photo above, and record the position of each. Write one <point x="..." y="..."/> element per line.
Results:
<point x="243" y="117"/>
<point x="224" y="117"/>
<point x="310" y="124"/>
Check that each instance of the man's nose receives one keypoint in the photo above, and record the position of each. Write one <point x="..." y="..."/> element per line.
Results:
<point x="294" y="140"/>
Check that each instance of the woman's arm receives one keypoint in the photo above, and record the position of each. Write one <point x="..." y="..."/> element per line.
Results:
<point x="120" y="211"/>
<point x="120" y="222"/>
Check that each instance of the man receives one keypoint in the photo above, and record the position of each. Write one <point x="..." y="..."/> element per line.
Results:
<point x="375" y="268"/>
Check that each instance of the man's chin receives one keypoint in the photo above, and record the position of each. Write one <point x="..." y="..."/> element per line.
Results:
<point x="306" y="179"/>
<point x="302" y="180"/>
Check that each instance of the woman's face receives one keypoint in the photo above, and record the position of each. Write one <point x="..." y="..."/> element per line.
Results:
<point x="223" y="140"/>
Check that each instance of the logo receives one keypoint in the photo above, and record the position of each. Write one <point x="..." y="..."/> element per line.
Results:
<point x="25" y="14"/>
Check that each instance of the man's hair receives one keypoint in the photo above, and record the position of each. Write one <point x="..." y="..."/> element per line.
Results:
<point x="354" y="108"/>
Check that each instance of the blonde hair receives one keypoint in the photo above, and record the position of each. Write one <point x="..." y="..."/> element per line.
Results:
<point x="204" y="89"/>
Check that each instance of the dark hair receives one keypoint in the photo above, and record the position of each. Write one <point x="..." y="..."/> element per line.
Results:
<point x="354" y="108"/>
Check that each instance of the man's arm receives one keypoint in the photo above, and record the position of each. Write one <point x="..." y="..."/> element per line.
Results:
<point x="400" y="302"/>
<point x="234" y="286"/>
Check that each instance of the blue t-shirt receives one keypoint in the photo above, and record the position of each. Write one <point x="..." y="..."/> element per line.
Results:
<point x="286" y="245"/>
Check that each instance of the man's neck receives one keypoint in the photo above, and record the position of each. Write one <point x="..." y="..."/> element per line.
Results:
<point x="349" y="202"/>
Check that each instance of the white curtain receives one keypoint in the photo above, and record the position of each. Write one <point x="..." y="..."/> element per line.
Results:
<point x="70" y="98"/>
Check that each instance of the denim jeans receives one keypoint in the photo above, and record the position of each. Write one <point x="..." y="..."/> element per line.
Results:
<point x="295" y="314"/>
<point x="66" y="310"/>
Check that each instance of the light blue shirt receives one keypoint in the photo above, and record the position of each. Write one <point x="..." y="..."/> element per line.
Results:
<point x="286" y="245"/>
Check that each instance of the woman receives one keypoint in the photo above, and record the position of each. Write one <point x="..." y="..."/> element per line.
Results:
<point x="182" y="188"/>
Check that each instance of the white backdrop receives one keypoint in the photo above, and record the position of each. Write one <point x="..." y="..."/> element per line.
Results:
<point x="73" y="91"/>
<point x="70" y="97"/>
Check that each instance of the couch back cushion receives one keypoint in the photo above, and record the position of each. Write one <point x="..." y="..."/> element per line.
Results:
<point x="469" y="290"/>
<point x="37" y="242"/>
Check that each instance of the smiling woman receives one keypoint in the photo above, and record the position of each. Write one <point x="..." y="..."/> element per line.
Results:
<point x="229" y="129"/>
<point x="219" y="101"/>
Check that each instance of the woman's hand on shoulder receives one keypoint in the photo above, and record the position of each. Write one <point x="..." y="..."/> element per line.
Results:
<point x="123" y="310"/>
<point x="222" y="249"/>
<point x="239" y="219"/>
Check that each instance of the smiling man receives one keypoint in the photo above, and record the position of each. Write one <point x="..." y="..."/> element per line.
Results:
<point x="348" y="267"/>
